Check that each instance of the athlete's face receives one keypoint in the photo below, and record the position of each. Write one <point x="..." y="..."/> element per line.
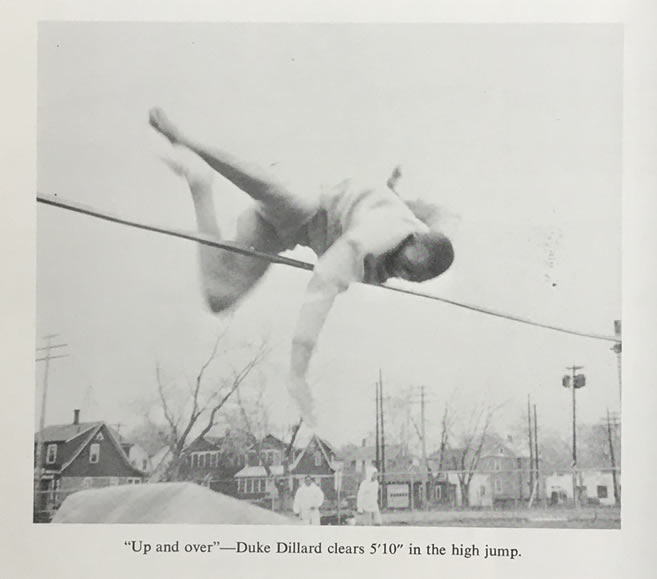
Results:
<point x="407" y="262"/>
<point x="413" y="260"/>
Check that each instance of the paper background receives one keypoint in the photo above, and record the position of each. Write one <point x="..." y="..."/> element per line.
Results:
<point x="42" y="550"/>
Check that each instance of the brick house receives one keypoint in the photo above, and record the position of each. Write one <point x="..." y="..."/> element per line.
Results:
<point x="77" y="456"/>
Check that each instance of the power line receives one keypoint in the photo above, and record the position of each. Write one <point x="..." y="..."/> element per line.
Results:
<point x="228" y="246"/>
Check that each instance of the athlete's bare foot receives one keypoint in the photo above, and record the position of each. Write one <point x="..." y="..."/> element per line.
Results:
<point x="191" y="167"/>
<point x="161" y="123"/>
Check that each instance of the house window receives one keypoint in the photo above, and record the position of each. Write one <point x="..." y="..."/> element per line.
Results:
<point x="94" y="453"/>
<point x="100" y="437"/>
<point x="271" y="457"/>
<point x="497" y="465"/>
<point x="482" y="491"/>
<point x="144" y="464"/>
<point x="51" y="454"/>
<point x="318" y="458"/>
<point x="201" y="461"/>
<point x="438" y="492"/>
<point x="602" y="492"/>
<point x="498" y="485"/>
<point x="249" y="486"/>
<point x="241" y="486"/>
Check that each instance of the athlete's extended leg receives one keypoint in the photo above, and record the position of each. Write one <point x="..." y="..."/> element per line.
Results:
<point x="286" y="210"/>
<point x="226" y="276"/>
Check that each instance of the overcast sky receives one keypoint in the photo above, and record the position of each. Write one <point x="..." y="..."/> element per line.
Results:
<point x="514" y="129"/>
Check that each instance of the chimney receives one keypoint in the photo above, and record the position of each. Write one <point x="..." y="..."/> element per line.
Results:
<point x="76" y="417"/>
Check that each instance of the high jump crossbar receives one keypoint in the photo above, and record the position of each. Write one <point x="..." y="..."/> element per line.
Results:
<point x="212" y="241"/>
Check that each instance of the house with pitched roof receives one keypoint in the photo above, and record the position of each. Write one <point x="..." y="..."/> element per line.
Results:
<point x="319" y="460"/>
<point x="213" y="461"/>
<point x="264" y="467"/>
<point x="263" y="463"/>
<point x="501" y="476"/>
<point x="77" y="456"/>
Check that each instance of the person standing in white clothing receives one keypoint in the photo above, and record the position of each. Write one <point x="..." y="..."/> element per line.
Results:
<point x="308" y="499"/>
<point x="367" y="502"/>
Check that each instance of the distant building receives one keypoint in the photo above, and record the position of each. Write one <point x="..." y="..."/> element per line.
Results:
<point x="508" y="467"/>
<point x="266" y="469"/>
<point x="356" y="459"/>
<point x="319" y="460"/>
<point x="593" y="486"/>
<point x="160" y="462"/>
<point x="213" y="461"/>
<point x="501" y="476"/>
<point x="77" y="456"/>
<point x="255" y="480"/>
<point x="137" y="456"/>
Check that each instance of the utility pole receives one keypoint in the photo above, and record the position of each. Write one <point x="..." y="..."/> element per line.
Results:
<point x="378" y="429"/>
<point x="612" y="458"/>
<point x="44" y="355"/>
<point x="424" y="445"/>
<point x="578" y="381"/>
<point x="384" y="495"/>
<point x="618" y="349"/>
<point x="538" y="477"/>
<point x="531" y="446"/>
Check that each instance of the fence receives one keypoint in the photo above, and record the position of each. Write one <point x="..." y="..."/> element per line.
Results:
<point x="411" y="491"/>
<point x="418" y="490"/>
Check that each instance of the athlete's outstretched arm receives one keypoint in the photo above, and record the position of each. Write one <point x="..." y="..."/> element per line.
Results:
<point x="336" y="269"/>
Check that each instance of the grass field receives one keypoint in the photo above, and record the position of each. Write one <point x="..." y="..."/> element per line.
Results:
<point x="552" y="518"/>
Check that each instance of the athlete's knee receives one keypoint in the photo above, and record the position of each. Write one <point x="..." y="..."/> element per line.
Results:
<point x="240" y="277"/>
<point x="219" y="295"/>
<point x="220" y="302"/>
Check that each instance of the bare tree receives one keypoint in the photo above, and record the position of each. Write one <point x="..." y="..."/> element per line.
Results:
<point x="255" y="423"/>
<point x="465" y="458"/>
<point x="198" y="415"/>
<point x="601" y="448"/>
<point x="445" y="425"/>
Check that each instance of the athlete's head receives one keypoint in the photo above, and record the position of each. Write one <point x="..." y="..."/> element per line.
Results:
<point x="422" y="256"/>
